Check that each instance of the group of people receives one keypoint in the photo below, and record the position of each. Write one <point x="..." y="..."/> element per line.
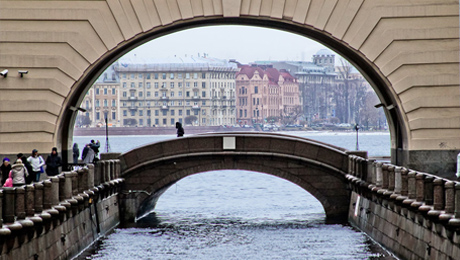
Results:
<point x="89" y="154"/>
<point x="27" y="170"/>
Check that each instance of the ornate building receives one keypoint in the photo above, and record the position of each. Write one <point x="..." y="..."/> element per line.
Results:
<point x="265" y="92"/>
<point x="190" y="90"/>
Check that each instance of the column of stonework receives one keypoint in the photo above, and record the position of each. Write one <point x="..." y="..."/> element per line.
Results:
<point x="20" y="203"/>
<point x="449" y="188"/>
<point x="90" y="182"/>
<point x="404" y="182"/>
<point x="438" y="194"/>
<point x="411" y="185"/>
<point x="112" y="170"/>
<point x="68" y="185"/>
<point x="38" y="203"/>
<point x="47" y="196"/>
<point x="54" y="190"/>
<point x="61" y="186"/>
<point x="1" y="207"/>
<point x="378" y="174"/>
<point x="398" y="180"/>
<point x="350" y="164"/>
<point x="74" y="184"/>
<point x="30" y="200"/>
<point x="385" y="176"/>
<point x="80" y="180"/>
<point x="457" y="200"/>
<point x="8" y="202"/>
<point x="428" y="190"/>
<point x="391" y="178"/>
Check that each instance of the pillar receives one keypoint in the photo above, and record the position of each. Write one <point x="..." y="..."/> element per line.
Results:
<point x="438" y="194"/>
<point x="457" y="200"/>
<point x="398" y="180"/>
<point x="47" y="196"/>
<point x="385" y="176"/>
<point x="428" y="190"/>
<point x="38" y="203"/>
<point x="61" y="186"/>
<point x="404" y="182"/>
<point x="74" y="184"/>
<point x="67" y="185"/>
<point x="20" y="203"/>
<point x="419" y="188"/>
<point x="54" y="190"/>
<point x="449" y="188"/>
<point x="378" y="174"/>
<point x="8" y="202"/>
<point x="90" y="176"/>
<point x="411" y="185"/>
<point x="391" y="178"/>
<point x="1" y="208"/>
<point x="30" y="200"/>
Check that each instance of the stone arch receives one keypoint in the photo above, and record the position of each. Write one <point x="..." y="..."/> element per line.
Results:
<point x="408" y="50"/>
<point x="315" y="167"/>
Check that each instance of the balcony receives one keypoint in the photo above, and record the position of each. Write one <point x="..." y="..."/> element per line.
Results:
<point x="163" y="107"/>
<point x="196" y="97"/>
<point x="163" y="89"/>
<point x="164" y="98"/>
<point x="196" y="107"/>
<point x="132" y="107"/>
<point x="132" y="98"/>
<point x="224" y="97"/>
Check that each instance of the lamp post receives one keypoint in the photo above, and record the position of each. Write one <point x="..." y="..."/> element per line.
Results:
<point x="357" y="140"/>
<point x="107" y="146"/>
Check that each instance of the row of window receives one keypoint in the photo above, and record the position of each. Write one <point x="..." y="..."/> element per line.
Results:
<point x="172" y="112"/>
<point x="164" y="94"/>
<point x="173" y="75"/>
<point x="98" y="104"/>
<point x="98" y="115"/>
<point x="156" y="85"/>
<point x="106" y="91"/>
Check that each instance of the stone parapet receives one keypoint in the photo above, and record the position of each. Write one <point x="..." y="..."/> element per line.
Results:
<point x="414" y="214"/>
<point x="54" y="213"/>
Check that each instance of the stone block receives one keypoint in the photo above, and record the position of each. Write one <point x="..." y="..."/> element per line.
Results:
<point x="283" y="146"/>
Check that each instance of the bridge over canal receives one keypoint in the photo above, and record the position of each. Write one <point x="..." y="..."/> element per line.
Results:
<point x="317" y="167"/>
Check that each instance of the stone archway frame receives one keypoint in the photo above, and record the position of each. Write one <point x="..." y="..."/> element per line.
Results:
<point x="396" y="119"/>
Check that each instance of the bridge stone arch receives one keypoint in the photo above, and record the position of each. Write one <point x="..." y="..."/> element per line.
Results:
<point x="316" y="167"/>
<point x="409" y="50"/>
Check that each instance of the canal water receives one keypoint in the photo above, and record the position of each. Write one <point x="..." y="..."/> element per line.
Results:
<point x="236" y="214"/>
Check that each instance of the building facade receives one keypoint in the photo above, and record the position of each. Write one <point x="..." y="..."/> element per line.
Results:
<point x="264" y="93"/>
<point x="190" y="90"/>
<point x="101" y="101"/>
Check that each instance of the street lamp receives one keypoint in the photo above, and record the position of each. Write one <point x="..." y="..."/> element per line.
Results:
<point x="357" y="142"/>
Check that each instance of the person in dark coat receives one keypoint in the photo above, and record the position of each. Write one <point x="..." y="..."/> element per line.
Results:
<point x="85" y="152"/>
<point x="180" y="129"/>
<point x="53" y="162"/>
<point x="95" y="146"/>
<point x="76" y="153"/>
<point x="5" y="168"/>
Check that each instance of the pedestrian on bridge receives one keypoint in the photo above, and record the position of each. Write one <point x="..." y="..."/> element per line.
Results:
<point x="180" y="129"/>
<point x="36" y="163"/>
<point x="19" y="173"/>
<point x="53" y="162"/>
<point x="76" y="153"/>
<point x="5" y="168"/>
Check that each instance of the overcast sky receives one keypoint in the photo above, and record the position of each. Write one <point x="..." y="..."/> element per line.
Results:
<point x="243" y="43"/>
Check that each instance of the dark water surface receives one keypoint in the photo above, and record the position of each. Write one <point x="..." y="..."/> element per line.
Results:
<point x="236" y="214"/>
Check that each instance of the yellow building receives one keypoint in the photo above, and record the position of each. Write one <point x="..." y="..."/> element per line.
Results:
<point x="191" y="90"/>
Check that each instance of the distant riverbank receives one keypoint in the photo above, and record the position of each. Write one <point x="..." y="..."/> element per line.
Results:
<point x="100" y="131"/>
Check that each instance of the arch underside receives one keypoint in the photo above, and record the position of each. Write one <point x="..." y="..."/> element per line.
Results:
<point x="327" y="186"/>
<point x="409" y="50"/>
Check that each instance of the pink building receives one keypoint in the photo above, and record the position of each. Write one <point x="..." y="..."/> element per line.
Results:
<point x="264" y="92"/>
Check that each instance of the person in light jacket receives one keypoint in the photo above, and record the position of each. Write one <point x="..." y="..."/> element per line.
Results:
<point x="36" y="163"/>
<point x="19" y="173"/>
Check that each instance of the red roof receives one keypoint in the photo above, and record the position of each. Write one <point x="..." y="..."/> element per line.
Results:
<point x="272" y="73"/>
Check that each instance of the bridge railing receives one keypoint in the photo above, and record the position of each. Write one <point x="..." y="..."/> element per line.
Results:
<point x="27" y="210"/>
<point x="405" y="190"/>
